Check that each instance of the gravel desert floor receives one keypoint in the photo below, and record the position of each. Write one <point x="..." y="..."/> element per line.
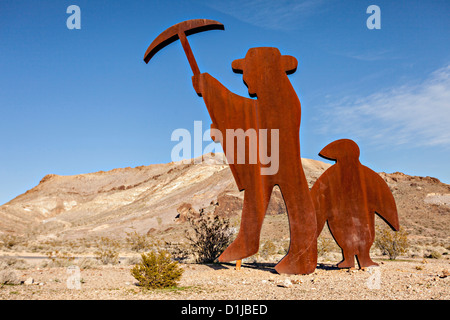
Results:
<point x="407" y="279"/>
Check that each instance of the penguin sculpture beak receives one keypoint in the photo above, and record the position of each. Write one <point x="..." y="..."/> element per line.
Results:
<point x="328" y="153"/>
<point x="340" y="149"/>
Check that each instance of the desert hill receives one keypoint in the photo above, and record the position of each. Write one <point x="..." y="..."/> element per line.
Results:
<point x="156" y="198"/>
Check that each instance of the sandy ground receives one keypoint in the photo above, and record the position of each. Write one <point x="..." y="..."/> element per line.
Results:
<point x="418" y="279"/>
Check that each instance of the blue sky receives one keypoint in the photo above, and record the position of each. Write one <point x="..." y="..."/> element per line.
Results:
<point x="79" y="101"/>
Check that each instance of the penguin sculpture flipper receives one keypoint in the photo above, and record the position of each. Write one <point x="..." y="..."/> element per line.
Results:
<point x="380" y="199"/>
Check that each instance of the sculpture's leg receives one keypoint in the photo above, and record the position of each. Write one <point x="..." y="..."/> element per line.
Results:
<point x="349" y="260"/>
<point x="364" y="259"/>
<point x="253" y="212"/>
<point x="302" y="255"/>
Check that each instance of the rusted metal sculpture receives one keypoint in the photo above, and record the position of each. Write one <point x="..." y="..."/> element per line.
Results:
<point x="348" y="195"/>
<point x="276" y="109"/>
<point x="181" y="31"/>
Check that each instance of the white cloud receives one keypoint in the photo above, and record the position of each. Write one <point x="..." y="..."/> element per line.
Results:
<point x="372" y="55"/>
<point x="411" y="114"/>
<point x="269" y="14"/>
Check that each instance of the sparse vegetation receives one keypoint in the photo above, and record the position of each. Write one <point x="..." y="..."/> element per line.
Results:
<point x="13" y="263"/>
<point x="432" y="255"/>
<point x="268" y="249"/>
<point x="179" y="251"/>
<point x="137" y="242"/>
<point x="157" y="270"/>
<point x="9" y="277"/>
<point x="391" y="243"/>
<point x="9" y="241"/>
<point x="325" y="245"/>
<point x="211" y="235"/>
<point x="60" y="259"/>
<point x="108" y="251"/>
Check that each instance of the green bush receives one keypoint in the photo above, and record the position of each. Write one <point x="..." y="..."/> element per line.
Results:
<point x="157" y="270"/>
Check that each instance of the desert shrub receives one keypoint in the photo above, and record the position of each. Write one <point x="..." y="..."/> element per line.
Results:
<point x="108" y="251"/>
<point x="13" y="263"/>
<point x="131" y="261"/>
<point x="179" y="251"/>
<point x="9" y="241"/>
<point x="284" y="247"/>
<point x="391" y="243"/>
<point x="60" y="259"/>
<point x="211" y="235"/>
<point x="9" y="277"/>
<point x="87" y="263"/>
<point x="157" y="270"/>
<point x="137" y="242"/>
<point x="324" y="246"/>
<point x="268" y="249"/>
<point x="432" y="255"/>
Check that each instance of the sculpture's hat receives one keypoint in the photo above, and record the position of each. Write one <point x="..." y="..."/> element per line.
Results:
<point x="266" y="54"/>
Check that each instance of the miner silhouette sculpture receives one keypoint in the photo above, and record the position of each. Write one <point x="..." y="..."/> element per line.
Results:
<point x="347" y="195"/>
<point x="276" y="108"/>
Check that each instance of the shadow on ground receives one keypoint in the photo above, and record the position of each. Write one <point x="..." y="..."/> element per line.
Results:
<point x="264" y="266"/>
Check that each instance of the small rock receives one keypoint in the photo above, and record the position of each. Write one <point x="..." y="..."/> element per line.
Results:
<point x="286" y="284"/>
<point x="29" y="281"/>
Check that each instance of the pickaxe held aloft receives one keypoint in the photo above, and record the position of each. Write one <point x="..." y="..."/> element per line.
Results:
<point x="181" y="31"/>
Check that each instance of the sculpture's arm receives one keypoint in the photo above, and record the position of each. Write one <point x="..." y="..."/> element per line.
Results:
<point x="226" y="109"/>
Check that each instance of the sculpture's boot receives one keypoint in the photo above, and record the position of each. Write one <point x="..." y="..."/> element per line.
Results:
<point x="302" y="255"/>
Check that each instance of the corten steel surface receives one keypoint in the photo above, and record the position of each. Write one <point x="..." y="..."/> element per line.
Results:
<point x="348" y="195"/>
<point x="276" y="107"/>
<point x="181" y="31"/>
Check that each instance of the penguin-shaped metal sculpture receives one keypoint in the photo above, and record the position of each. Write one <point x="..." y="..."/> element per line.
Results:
<point x="347" y="195"/>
